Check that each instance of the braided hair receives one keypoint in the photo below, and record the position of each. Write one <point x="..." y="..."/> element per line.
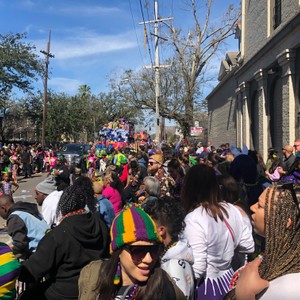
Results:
<point x="77" y="196"/>
<point x="282" y="243"/>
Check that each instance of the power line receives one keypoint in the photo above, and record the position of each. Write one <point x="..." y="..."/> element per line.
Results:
<point x="145" y="32"/>
<point x="136" y="35"/>
<point x="149" y="27"/>
<point x="157" y="66"/>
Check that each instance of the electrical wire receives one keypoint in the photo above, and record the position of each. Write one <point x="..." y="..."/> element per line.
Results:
<point x="145" y="29"/>
<point x="149" y="27"/>
<point x="136" y="35"/>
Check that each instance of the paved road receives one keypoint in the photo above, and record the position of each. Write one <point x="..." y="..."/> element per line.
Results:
<point x="24" y="193"/>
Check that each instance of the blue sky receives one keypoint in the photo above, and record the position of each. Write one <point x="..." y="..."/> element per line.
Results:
<point x="91" y="39"/>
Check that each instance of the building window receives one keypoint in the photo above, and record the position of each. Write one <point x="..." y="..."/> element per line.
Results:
<point x="277" y="14"/>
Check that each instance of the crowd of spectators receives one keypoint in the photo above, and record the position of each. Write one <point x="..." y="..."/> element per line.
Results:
<point x="186" y="221"/>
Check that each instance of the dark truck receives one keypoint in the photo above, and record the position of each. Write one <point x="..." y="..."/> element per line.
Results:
<point x="74" y="153"/>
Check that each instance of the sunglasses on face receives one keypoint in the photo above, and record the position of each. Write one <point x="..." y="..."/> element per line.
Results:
<point x="138" y="253"/>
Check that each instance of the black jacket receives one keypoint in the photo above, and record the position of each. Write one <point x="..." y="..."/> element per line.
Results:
<point x="63" y="252"/>
<point x="18" y="230"/>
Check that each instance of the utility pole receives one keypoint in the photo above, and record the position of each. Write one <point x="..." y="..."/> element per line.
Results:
<point x="156" y="67"/>
<point x="47" y="54"/>
<point x="157" y="81"/>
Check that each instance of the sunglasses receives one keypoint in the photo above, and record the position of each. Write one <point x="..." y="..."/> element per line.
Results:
<point x="138" y="253"/>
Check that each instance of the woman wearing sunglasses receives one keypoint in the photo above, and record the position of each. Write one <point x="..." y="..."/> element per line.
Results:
<point x="133" y="271"/>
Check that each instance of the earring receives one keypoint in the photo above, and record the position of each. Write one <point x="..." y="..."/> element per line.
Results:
<point x="117" y="277"/>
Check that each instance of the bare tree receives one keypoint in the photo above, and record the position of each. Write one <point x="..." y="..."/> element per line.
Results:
<point x="194" y="51"/>
<point x="182" y="83"/>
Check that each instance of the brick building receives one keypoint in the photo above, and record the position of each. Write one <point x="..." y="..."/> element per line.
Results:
<point x="256" y="102"/>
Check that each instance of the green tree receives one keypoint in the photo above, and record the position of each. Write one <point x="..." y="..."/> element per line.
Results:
<point x="10" y="117"/>
<point x="57" y="117"/>
<point x="19" y="64"/>
<point x="75" y="118"/>
<point x="111" y="108"/>
<point x="32" y="107"/>
<point x="56" y="122"/>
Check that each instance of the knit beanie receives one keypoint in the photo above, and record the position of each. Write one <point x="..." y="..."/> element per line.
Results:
<point x="132" y="224"/>
<point x="47" y="186"/>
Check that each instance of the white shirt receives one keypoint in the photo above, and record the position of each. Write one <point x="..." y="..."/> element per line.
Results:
<point x="284" y="287"/>
<point x="49" y="207"/>
<point x="212" y="243"/>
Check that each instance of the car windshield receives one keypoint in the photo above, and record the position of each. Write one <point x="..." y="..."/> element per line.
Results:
<point x="72" y="147"/>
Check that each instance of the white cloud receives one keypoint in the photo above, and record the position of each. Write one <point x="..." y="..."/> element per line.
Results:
<point x="64" y="85"/>
<point x="87" y="44"/>
<point x="86" y="10"/>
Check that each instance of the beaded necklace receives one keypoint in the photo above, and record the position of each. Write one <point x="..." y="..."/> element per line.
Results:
<point x="170" y="245"/>
<point x="72" y="213"/>
<point x="130" y="293"/>
<point x="133" y="292"/>
<point x="236" y="275"/>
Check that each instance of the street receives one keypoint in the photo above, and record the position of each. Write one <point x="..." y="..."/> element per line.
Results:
<point x="24" y="193"/>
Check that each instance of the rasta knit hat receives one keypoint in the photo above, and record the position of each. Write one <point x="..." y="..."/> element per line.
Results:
<point x="132" y="224"/>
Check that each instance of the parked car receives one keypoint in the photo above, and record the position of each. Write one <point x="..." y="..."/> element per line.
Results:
<point x="74" y="153"/>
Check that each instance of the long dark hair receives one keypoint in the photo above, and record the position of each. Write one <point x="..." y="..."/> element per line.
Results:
<point x="201" y="188"/>
<point x="116" y="183"/>
<point x="152" y="289"/>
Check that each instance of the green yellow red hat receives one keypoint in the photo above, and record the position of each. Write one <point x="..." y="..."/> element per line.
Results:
<point x="132" y="224"/>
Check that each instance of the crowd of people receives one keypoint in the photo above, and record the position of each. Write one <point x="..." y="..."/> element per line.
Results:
<point x="147" y="221"/>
